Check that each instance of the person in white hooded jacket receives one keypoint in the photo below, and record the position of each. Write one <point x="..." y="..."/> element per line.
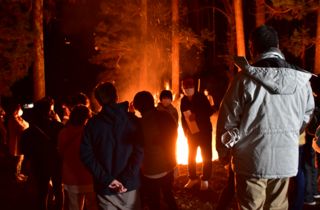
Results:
<point x="265" y="109"/>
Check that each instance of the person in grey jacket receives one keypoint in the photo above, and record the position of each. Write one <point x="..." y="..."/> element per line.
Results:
<point x="265" y="109"/>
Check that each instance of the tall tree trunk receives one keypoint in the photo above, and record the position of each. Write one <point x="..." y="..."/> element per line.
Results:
<point x="39" y="90"/>
<point x="317" y="56"/>
<point x="303" y="56"/>
<point x="144" y="64"/>
<point x="232" y="40"/>
<point x="197" y="16"/>
<point x="261" y="14"/>
<point x="175" y="48"/>
<point x="239" y="28"/>
<point x="214" y="32"/>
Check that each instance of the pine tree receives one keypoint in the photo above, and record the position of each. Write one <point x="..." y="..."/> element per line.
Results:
<point x="16" y="38"/>
<point x="260" y="13"/>
<point x="119" y="48"/>
<point x="239" y="28"/>
<point x="39" y="90"/>
<point x="300" y="40"/>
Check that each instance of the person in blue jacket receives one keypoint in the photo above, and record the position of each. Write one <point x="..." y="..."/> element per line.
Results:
<point x="112" y="151"/>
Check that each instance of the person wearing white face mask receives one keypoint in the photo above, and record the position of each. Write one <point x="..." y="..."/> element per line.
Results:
<point x="199" y="106"/>
<point x="165" y="105"/>
<point x="15" y="126"/>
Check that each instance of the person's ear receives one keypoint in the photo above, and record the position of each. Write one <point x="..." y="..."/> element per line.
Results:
<point x="98" y="102"/>
<point x="117" y="98"/>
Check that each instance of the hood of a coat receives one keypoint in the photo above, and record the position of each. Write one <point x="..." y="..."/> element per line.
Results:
<point x="278" y="80"/>
<point x="115" y="113"/>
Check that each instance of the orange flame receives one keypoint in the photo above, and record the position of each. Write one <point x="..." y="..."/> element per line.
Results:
<point x="182" y="143"/>
<point x="167" y="86"/>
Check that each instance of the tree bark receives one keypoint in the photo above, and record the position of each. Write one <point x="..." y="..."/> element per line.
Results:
<point x="239" y="28"/>
<point x="232" y="40"/>
<point x="317" y="56"/>
<point x="197" y="16"/>
<point x="175" y="48"/>
<point x="303" y="56"/>
<point x="39" y="90"/>
<point x="260" y="16"/>
<point x="214" y="32"/>
<point x="144" y="64"/>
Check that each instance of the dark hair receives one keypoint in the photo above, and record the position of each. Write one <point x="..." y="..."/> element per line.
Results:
<point x="79" y="98"/>
<point x="42" y="109"/>
<point x="263" y="38"/>
<point x="49" y="100"/>
<point x="79" y="114"/>
<point x="105" y="93"/>
<point x="143" y="101"/>
<point x="13" y="108"/>
<point x="165" y="93"/>
<point x="315" y="84"/>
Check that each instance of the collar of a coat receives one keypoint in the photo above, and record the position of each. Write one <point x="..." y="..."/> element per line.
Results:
<point x="279" y="80"/>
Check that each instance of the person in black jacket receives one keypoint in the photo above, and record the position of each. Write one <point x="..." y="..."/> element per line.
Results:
<point x="200" y="108"/>
<point x="309" y="159"/>
<point x="112" y="151"/>
<point x="160" y="137"/>
<point x="39" y="143"/>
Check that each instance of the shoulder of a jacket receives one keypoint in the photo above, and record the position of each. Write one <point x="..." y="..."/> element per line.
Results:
<point x="241" y="77"/>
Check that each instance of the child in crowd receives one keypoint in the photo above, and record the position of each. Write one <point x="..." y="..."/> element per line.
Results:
<point x="165" y="105"/>
<point x="76" y="178"/>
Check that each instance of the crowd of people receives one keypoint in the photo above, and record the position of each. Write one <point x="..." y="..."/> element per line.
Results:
<point x="266" y="134"/>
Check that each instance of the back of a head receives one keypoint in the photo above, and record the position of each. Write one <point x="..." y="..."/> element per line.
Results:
<point x="315" y="84"/>
<point x="105" y="93"/>
<point x="41" y="109"/>
<point x="13" y="108"/>
<point x="79" y="98"/>
<point x="143" y="101"/>
<point x="263" y="38"/>
<point x="165" y="93"/>
<point x="49" y="100"/>
<point x="79" y="115"/>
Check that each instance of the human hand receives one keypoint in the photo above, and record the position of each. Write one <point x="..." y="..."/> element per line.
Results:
<point x="117" y="186"/>
<point x="131" y="107"/>
<point x="192" y="117"/>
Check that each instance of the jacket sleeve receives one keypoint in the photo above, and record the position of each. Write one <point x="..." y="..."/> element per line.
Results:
<point x="206" y="110"/>
<point x="309" y="109"/>
<point x="27" y="146"/>
<point x="183" y="120"/>
<point x="20" y="125"/>
<point x="132" y="169"/>
<point x="176" y="115"/>
<point x="3" y="132"/>
<point x="231" y="110"/>
<point x="89" y="160"/>
<point x="61" y="143"/>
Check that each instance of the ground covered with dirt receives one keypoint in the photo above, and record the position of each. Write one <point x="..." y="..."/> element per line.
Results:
<point x="23" y="196"/>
